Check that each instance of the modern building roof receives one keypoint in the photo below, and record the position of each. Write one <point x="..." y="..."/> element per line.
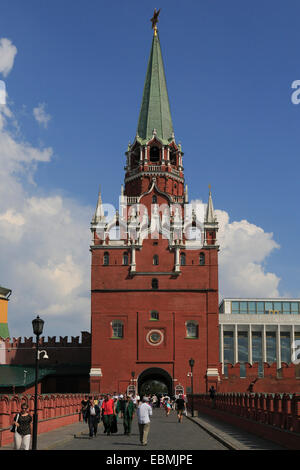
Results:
<point x="259" y="299"/>
<point x="24" y="376"/>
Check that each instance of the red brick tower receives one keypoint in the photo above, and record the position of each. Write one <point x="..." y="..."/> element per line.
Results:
<point x="154" y="274"/>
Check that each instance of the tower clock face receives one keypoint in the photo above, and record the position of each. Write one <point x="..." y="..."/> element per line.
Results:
<point x="155" y="337"/>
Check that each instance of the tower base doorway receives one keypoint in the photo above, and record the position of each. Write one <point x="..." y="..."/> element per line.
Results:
<point x="155" y="381"/>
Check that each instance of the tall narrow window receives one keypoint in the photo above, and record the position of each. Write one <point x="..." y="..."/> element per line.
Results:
<point x="202" y="259"/>
<point x="154" y="199"/>
<point x="154" y="315"/>
<point x="125" y="259"/>
<point x="228" y="347"/>
<point x="243" y="346"/>
<point x="173" y="158"/>
<point x="271" y="346"/>
<point x="154" y="284"/>
<point x="182" y="259"/>
<point x="154" y="154"/>
<point x="285" y="345"/>
<point x="191" y="329"/>
<point x="106" y="259"/>
<point x="117" y="329"/>
<point x="155" y="260"/>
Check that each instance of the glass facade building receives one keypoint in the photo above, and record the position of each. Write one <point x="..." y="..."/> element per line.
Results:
<point x="258" y="330"/>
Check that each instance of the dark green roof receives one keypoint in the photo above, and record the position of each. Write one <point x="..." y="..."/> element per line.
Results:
<point x="20" y="376"/>
<point x="15" y="376"/>
<point x="155" y="110"/>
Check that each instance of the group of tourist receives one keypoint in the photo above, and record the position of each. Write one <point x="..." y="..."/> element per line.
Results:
<point x="108" y="408"/>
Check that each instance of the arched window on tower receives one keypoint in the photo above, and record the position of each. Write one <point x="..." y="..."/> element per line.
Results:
<point x="106" y="259"/>
<point x="154" y="199"/>
<point x="117" y="329"/>
<point x="182" y="259"/>
<point x="154" y="283"/>
<point x="154" y="154"/>
<point x="155" y="260"/>
<point x="135" y="158"/>
<point x="172" y="157"/>
<point x="125" y="259"/>
<point x="191" y="329"/>
<point x="202" y="259"/>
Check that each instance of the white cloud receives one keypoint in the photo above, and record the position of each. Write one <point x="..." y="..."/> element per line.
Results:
<point x="7" y="56"/>
<point x="41" y="116"/>
<point x="244" y="248"/>
<point x="44" y="243"/>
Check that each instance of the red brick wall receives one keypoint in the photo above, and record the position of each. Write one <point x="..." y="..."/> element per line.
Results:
<point x="275" y="418"/>
<point x="283" y="381"/>
<point x="193" y="295"/>
<point x="54" y="411"/>
<point x="22" y="350"/>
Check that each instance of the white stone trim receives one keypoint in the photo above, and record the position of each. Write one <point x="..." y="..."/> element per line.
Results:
<point x="211" y="372"/>
<point x="96" y="372"/>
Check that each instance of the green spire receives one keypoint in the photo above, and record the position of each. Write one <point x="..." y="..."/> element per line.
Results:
<point x="155" y="109"/>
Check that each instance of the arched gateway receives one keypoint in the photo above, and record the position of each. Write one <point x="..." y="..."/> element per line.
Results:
<point x="155" y="380"/>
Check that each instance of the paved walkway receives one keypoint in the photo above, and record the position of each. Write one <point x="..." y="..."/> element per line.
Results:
<point x="199" y="433"/>
<point x="232" y="437"/>
<point x="165" y="434"/>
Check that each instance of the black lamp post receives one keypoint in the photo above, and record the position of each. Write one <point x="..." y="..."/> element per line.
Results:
<point x="132" y="378"/>
<point x="191" y="363"/>
<point x="37" y="325"/>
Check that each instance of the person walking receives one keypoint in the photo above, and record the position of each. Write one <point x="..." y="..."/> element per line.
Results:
<point x="181" y="406"/>
<point x="84" y="403"/>
<point x="167" y="406"/>
<point x="154" y="401"/>
<point x="144" y="412"/>
<point x="120" y="405"/>
<point x="22" y="435"/>
<point x="108" y="410"/>
<point x="212" y="394"/>
<point x="92" y="416"/>
<point x="128" y="415"/>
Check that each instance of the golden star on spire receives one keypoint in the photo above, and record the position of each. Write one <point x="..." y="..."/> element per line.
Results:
<point x="154" y="20"/>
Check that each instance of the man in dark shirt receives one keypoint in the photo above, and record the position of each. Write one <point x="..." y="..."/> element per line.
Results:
<point x="128" y="415"/>
<point x="84" y="408"/>
<point x="93" y="417"/>
<point x="180" y="406"/>
<point x="212" y="394"/>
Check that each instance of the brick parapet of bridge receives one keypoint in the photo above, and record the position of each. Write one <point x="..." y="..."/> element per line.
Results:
<point x="54" y="411"/>
<point x="272" y="416"/>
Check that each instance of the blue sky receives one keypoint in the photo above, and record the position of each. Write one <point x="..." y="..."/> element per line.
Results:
<point x="229" y="69"/>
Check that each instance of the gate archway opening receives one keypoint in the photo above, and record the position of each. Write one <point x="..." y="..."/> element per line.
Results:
<point x="155" y="381"/>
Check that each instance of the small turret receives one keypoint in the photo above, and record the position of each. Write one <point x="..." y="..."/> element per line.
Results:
<point x="99" y="214"/>
<point x="210" y="224"/>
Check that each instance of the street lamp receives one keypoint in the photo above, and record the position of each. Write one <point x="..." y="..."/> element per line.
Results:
<point x="37" y="325"/>
<point x="132" y="381"/>
<point x="191" y="363"/>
